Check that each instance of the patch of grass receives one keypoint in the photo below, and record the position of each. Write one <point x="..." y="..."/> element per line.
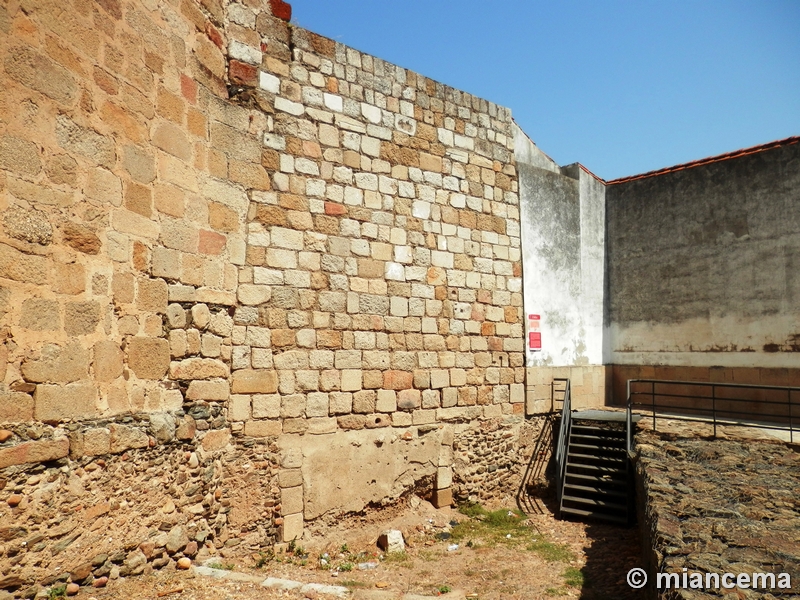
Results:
<point x="58" y="591"/>
<point x="222" y="566"/>
<point x="429" y="555"/>
<point x="346" y="567"/>
<point x="443" y="589"/>
<point x="351" y="583"/>
<point x="397" y="558"/>
<point x="551" y="552"/>
<point x="555" y="592"/>
<point x="493" y="527"/>
<point x="573" y="577"/>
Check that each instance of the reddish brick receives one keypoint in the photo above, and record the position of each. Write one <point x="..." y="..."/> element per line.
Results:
<point x="281" y="9"/>
<point x="211" y="242"/>
<point x="214" y="35"/>
<point x="243" y="73"/>
<point x="332" y="208"/>
<point x="34" y="452"/>
<point x="397" y="380"/>
<point x="189" y="88"/>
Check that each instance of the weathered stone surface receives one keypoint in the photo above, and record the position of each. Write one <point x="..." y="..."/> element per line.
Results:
<point x="198" y="368"/>
<point x="19" y="156"/>
<point x="71" y="401"/>
<point x="81" y="318"/>
<point x="27" y="224"/>
<point x="148" y="358"/>
<point x="124" y="438"/>
<point x="392" y="541"/>
<point x="216" y="440"/>
<point x="39" y="314"/>
<point x="208" y="390"/>
<point x="58" y="364"/>
<point x="23" y="267"/>
<point x="34" y="452"/>
<point x="15" y="407"/>
<point x="39" y="73"/>
<point x="81" y="238"/>
<point x="254" y="381"/>
<point x="107" y="360"/>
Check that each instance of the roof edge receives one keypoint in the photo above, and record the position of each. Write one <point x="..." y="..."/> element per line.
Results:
<point x="712" y="159"/>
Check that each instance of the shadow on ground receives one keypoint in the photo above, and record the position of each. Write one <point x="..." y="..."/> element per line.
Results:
<point x="610" y="550"/>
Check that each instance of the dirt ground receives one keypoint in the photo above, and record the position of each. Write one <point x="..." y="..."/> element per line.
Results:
<point x="500" y="555"/>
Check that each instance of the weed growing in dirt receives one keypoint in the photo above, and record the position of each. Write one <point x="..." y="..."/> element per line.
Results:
<point x="58" y="591"/>
<point x="351" y="583"/>
<point x="443" y="589"/>
<point x="507" y="527"/>
<point x="573" y="577"/>
<point x="492" y="527"/>
<point x="397" y="558"/>
<point x="222" y="566"/>
<point x="551" y="552"/>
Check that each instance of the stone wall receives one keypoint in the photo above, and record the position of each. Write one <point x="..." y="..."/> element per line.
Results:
<point x="717" y="506"/>
<point x="219" y="228"/>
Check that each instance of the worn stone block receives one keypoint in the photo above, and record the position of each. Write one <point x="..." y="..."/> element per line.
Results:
<point x="254" y="381"/>
<point x="198" y="368"/>
<point x="124" y="438"/>
<point x="292" y="500"/>
<point x="81" y="318"/>
<point x="23" y="267"/>
<point x="58" y="364"/>
<point x="262" y="428"/>
<point x="72" y="401"/>
<point x="15" y="407"/>
<point x="442" y="498"/>
<point x="39" y="314"/>
<point x="149" y="358"/>
<point x="208" y="390"/>
<point x="34" y="452"/>
<point x="292" y="527"/>
<point x="216" y="440"/>
<point x="409" y="399"/>
<point x="152" y="295"/>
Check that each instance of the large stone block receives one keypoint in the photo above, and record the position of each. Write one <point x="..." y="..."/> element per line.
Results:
<point x="58" y="364"/>
<point x="292" y="500"/>
<point x="208" y="390"/>
<point x="37" y="72"/>
<point x="72" y="401"/>
<point x="81" y="318"/>
<point x="292" y="528"/>
<point x="198" y="368"/>
<point x="124" y="438"/>
<point x="148" y="358"/>
<point x="39" y="314"/>
<point x="34" y="452"/>
<point x="15" y="407"/>
<point x="23" y="267"/>
<point x="254" y="381"/>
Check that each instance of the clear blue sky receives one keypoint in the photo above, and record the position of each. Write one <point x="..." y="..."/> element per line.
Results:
<point x="621" y="87"/>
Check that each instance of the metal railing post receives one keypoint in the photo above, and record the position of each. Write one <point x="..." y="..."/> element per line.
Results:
<point x="628" y="417"/>
<point x="791" y="425"/>
<point x="714" y="407"/>
<point x="653" y="401"/>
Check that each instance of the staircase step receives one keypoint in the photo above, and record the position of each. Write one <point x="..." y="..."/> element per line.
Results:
<point x="611" y="449"/>
<point x="611" y="440"/>
<point x="595" y="515"/>
<point x="606" y="459"/>
<point x="605" y="479"/>
<point x="591" y="429"/>
<point x="599" y="503"/>
<point x="594" y="490"/>
<point x="610" y="470"/>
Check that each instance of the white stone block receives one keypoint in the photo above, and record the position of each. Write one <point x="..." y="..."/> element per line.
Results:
<point x="269" y="83"/>
<point x="333" y="102"/>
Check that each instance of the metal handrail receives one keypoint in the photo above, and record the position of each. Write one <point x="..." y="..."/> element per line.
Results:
<point x="709" y="405"/>
<point x="563" y="436"/>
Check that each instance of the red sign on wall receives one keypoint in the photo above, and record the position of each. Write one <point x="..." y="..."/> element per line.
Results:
<point x="534" y="334"/>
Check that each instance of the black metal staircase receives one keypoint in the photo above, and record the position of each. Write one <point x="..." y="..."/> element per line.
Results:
<point x="594" y="475"/>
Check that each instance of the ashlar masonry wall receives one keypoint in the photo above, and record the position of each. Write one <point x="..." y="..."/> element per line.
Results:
<point x="219" y="230"/>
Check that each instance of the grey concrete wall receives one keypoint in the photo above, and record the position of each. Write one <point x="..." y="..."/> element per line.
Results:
<point x="704" y="264"/>
<point x="563" y="236"/>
